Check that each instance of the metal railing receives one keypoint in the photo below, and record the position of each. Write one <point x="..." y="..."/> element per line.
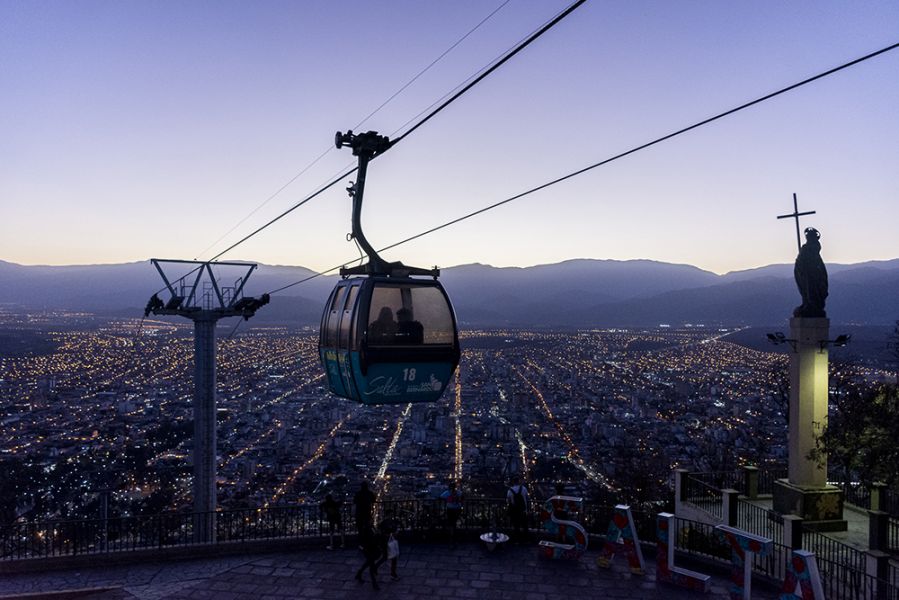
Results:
<point x="893" y="536"/>
<point x="760" y="521"/>
<point x="856" y="494"/>
<point x="833" y="552"/>
<point x="704" y="495"/>
<point x="703" y="540"/>
<point x="420" y="519"/>
<point x="767" y="477"/>
<point x="841" y="583"/>
<point x="699" y="539"/>
<point x="721" y="479"/>
<point x="843" y="567"/>
<point x="889" y="502"/>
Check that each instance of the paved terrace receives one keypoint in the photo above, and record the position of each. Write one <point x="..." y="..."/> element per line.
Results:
<point x="426" y="571"/>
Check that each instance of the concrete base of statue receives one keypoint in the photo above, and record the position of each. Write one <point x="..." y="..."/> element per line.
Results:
<point x="820" y="507"/>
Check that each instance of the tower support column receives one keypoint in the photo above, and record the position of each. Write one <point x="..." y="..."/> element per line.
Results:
<point x="204" y="305"/>
<point x="806" y="493"/>
<point x="808" y="400"/>
<point x="204" y="409"/>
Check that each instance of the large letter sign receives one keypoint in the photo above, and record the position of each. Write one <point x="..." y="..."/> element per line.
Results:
<point x="743" y="545"/>
<point x="665" y="570"/>
<point x="571" y="537"/>
<point x="622" y="528"/>
<point x="802" y="576"/>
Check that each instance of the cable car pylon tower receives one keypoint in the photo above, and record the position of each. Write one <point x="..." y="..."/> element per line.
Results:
<point x="204" y="302"/>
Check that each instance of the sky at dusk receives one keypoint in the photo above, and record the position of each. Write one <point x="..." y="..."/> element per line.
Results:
<point x="133" y="130"/>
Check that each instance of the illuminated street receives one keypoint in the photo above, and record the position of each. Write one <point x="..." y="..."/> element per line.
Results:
<point x="609" y="413"/>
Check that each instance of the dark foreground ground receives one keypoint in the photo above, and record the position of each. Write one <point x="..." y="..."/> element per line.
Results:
<point x="427" y="571"/>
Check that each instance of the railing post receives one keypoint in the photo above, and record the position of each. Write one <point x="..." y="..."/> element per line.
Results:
<point x="104" y="518"/>
<point x="729" y="506"/>
<point x="793" y="532"/>
<point x="680" y="490"/>
<point x="877" y="564"/>
<point x="877" y="489"/>
<point x="878" y="529"/>
<point x="751" y="482"/>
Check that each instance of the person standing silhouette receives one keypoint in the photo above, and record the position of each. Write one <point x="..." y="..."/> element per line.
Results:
<point x="364" y="501"/>
<point x="331" y="509"/>
<point x="517" y="499"/>
<point x="453" y="499"/>
<point x="374" y="548"/>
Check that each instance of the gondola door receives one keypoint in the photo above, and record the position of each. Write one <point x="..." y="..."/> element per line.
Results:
<point x="345" y="335"/>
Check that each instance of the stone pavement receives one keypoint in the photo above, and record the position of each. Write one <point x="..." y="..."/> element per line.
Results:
<point x="426" y="571"/>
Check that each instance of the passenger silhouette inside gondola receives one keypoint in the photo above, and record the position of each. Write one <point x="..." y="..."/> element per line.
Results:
<point x="383" y="329"/>
<point x="408" y="330"/>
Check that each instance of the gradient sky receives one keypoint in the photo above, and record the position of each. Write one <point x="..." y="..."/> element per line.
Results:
<point x="139" y="129"/>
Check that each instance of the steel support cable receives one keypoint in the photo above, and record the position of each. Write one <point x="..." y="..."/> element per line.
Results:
<point x="266" y="201"/>
<point x="549" y="25"/>
<point x="434" y="62"/>
<point x="462" y="84"/>
<point x="430" y="115"/>
<point x="278" y="218"/>
<point x="647" y="145"/>
<point x="359" y="124"/>
<point x="616" y="157"/>
<point x="326" y="187"/>
<point x="472" y="82"/>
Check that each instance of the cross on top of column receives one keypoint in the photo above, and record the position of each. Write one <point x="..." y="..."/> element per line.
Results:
<point x="795" y="215"/>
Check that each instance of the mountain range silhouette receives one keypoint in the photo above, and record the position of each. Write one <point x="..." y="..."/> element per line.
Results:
<point x="579" y="293"/>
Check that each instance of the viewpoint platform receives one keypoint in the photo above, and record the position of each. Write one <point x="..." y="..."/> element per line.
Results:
<point x="425" y="570"/>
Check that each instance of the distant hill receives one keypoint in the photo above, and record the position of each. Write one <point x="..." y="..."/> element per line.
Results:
<point x="574" y="293"/>
<point x="124" y="288"/>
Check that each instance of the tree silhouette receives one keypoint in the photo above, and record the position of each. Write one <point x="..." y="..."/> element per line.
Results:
<point x="893" y="349"/>
<point x="860" y="436"/>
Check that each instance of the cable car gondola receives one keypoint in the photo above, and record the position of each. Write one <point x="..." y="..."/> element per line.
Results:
<point x="386" y="337"/>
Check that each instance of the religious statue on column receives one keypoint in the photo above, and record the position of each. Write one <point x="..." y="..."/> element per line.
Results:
<point x="811" y="277"/>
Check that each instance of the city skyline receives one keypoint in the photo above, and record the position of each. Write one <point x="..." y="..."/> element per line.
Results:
<point x="138" y="131"/>
<point x="534" y="404"/>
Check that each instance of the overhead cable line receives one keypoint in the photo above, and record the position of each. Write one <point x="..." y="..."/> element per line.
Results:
<point x="338" y="179"/>
<point x="549" y="25"/>
<point x="287" y="212"/>
<point x="460" y="85"/>
<point x="305" y="279"/>
<point x="647" y="145"/>
<point x="434" y="62"/>
<point x="483" y="73"/>
<point x="264" y="202"/>
<point x="359" y="124"/>
<point x="615" y="157"/>
<point x="430" y="115"/>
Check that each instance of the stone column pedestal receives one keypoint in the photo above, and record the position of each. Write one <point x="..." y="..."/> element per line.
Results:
<point x="806" y="492"/>
<point x="821" y="508"/>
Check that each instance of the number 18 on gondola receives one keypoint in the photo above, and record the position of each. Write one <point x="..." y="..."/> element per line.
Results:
<point x="388" y="332"/>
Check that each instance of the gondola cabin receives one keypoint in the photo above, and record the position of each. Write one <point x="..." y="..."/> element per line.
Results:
<point x="389" y="340"/>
